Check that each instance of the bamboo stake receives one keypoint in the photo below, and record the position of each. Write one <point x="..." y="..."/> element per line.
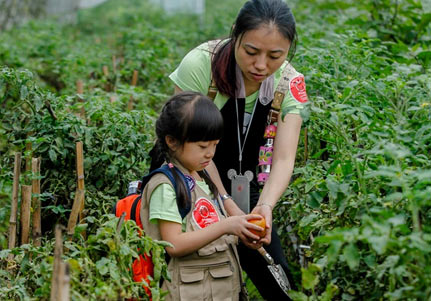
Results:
<point x="76" y="208"/>
<point x="80" y="91"/>
<point x="58" y="251"/>
<point x="37" y="227"/>
<point x="135" y="77"/>
<point x="25" y="213"/>
<point x="105" y="71"/>
<point x="64" y="282"/>
<point x="134" y="82"/>
<point x="80" y="174"/>
<point x="14" y="206"/>
<point x="120" y="222"/>
<point x="79" y="87"/>
<point x="28" y="156"/>
<point x="305" y="145"/>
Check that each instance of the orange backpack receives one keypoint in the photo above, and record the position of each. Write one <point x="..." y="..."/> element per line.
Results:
<point x="143" y="267"/>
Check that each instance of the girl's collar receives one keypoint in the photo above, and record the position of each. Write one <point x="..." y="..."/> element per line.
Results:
<point x="266" y="90"/>
<point x="184" y="170"/>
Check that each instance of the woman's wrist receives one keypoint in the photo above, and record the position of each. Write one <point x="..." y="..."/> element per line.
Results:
<point x="225" y="197"/>
<point x="265" y="204"/>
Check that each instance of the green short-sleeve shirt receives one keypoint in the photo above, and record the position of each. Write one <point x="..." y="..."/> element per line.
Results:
<point x="194" y="74"/>
<point x="163" y="203"/>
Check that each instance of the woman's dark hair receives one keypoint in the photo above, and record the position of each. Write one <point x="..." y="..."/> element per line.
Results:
<point x="186" y="117"/>
<point x="252" y="15"/>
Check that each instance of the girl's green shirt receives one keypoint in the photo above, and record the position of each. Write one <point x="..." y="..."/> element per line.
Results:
<point x="163" y="203"/>
<point x="194" y="74"/>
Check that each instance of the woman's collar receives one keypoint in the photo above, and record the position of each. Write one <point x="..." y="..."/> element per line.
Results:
<point x="266" y="90"/>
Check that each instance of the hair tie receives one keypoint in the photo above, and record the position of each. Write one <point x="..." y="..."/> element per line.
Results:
<point x="170" y="165"/>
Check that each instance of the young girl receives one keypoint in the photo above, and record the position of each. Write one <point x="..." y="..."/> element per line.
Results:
<point x="204" y="264"/>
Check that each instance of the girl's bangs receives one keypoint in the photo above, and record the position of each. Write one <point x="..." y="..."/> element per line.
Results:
<point x="206" y="123"/>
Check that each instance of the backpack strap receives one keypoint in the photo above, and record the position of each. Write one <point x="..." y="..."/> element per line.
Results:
<point x="213" y="46"/>
<point x="134" y="212"/>
<point x="168" y="173"/>
<point x="283" y="85"/>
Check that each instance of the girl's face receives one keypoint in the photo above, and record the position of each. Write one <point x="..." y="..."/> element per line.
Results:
<point x="195" y="156"/>
<point x="259" y="53"/>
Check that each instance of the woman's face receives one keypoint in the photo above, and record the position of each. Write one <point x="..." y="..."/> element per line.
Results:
<point x="260" y="52"/>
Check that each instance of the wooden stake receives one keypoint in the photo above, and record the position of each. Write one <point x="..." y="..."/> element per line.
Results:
<point x="76" y="208"/>
<point x="105" y="71"/>
<point x="28" y="156"/>
<point x="79" y="87"/>
<point x="305" y="145"/>
<point x="134" y="82"/>
<point x="80" y="174"/>
<point x="80" y="91"/>
<point x="25" y="213"/>
<point x="58" y="251"/>
<point x="130" y="103"/>
<point x="37" y="227"/>
<point x="135" y="77"/>
<point x="14" y="206"/>
<point x="64" y="282"/>
<point x="120" y="222"/>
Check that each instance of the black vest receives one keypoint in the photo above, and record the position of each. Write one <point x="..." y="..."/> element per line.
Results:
<point x="227" y="154"/>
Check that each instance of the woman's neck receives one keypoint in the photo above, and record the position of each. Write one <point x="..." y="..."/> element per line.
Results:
<point x="250" y="87"/>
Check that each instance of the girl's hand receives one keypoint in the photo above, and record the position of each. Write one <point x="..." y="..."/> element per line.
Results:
<point x="238" y="225"/>
<point x="266" y="212"/>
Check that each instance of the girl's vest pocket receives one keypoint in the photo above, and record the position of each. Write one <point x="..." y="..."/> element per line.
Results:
<point x="207" y="282"/>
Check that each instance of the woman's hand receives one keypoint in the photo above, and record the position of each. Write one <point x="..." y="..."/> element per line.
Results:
<point x="240" y="226"/>
<point x="265" y="210"/>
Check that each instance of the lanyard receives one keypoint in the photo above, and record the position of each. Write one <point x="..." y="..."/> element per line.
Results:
<point x="241" y="147"/>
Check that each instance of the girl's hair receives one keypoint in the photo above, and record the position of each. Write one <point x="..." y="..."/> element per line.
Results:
<point x="252" y="15"/>
<point x="186" y="117"/>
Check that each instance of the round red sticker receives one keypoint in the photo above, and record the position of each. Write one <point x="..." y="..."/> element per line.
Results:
<point x="204" y="213"/>
<point x="297" y="89"/>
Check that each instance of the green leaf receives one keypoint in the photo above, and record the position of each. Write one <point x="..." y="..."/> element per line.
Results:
<point x="330" y="292"/>
<point x="370" y="260"/>
<point x="52" y="155"/>
<point x="103" y="266"/>
<point x="23" y="92"/>
<point x="378" y="243"/>
<point x="310" y="277"/>
<point x="297" y="296"/>
<point x="351" y="255"/>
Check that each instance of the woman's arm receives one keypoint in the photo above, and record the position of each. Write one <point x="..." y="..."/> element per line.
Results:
<point x="187" y="242"/>
<point x="285" y="145"/>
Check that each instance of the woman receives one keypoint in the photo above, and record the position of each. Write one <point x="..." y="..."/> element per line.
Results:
<point x="246" y="69"/>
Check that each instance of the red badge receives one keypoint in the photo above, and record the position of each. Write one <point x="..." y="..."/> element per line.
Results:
<point x="297" y="89"/>
<point x="204" y="213"/>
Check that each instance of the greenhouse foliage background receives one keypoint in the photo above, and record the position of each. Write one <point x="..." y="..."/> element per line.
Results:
<point x="361" y="192"/>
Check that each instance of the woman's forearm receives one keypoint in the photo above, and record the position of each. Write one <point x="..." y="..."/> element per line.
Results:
<point x="285" y="146"/>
